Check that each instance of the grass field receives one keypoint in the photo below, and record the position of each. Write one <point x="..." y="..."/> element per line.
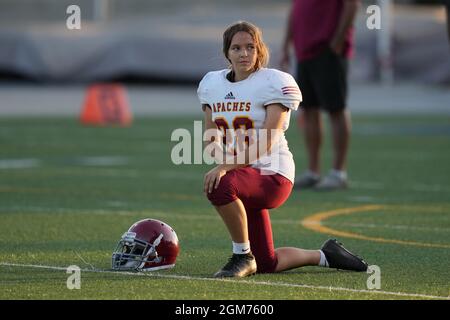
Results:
<point x="67" y="193"/>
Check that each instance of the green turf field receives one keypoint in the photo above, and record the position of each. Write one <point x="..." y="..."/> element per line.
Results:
<point x="67" y="193"/>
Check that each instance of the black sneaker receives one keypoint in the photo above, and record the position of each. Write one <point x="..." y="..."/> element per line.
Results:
<point x="239" y="265"/>
<point x="340" y="258"/>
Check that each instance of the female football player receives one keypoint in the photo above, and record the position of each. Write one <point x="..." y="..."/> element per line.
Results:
<point x="248" y="96"/>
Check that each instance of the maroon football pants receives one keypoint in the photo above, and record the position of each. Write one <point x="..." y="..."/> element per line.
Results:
<point x="258" y="193"/>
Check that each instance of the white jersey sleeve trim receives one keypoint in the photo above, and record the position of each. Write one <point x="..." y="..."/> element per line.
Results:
<point x="283" y="89"/>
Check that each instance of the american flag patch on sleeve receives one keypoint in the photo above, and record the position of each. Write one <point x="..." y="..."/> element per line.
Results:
<point x="290" y="90"/>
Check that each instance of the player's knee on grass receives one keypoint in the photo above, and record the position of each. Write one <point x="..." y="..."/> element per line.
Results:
<point x="225" y="192"/>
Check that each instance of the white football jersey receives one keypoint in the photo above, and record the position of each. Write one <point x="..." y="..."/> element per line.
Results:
<point x="243" y="103"/>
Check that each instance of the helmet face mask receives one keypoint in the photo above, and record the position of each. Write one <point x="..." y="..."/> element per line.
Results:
<point x="148" y="245"/>
<point x="131" y="253"/>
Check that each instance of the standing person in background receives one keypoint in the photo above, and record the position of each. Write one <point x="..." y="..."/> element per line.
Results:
<point x="322" y="35"/>
<point x="447" y="9"/>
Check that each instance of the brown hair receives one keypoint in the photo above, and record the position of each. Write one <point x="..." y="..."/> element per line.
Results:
<point x="262" y="58"/>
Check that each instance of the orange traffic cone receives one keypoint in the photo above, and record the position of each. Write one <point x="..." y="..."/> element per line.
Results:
<point x="106" y="104"/>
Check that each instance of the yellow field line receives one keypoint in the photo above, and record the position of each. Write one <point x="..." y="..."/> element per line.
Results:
<point x="314" y="223"/>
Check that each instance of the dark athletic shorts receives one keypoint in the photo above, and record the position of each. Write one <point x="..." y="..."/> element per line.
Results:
<point x="323" y="81"/>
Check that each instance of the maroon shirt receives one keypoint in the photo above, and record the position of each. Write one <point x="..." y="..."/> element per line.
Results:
<point x="314" y="23"/>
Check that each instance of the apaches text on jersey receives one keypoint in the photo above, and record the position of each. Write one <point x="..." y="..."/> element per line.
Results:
<point x="232" y="106"/>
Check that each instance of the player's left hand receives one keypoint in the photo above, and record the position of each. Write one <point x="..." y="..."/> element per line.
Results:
<point x="212" y="179"/>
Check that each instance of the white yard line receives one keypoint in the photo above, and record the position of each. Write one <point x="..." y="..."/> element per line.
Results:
<point x="8" y="164"/>
<point x="248" y="282"/>
<point x="103" y="161"/>
<point x="430" y="188"/>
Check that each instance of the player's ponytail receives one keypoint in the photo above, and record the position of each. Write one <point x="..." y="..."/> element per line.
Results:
<point x="262" y="58"/>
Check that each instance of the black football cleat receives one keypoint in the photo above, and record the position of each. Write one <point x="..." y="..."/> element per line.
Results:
<point x="340" y="258"/>
<point x="239" y="265"/>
